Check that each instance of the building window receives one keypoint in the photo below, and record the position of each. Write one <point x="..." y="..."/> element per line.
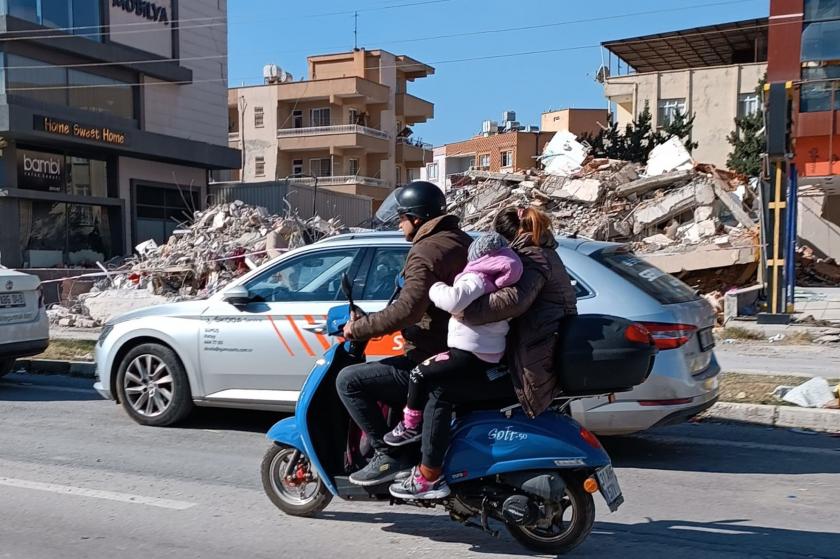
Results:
<point x="320" y="117"/>
<point x="39" y="81"/>
<point x="320" y="167"/>
<point x="297" y="166"/>
<point x="259" y="166"/>
<point x="55" y="172"/>
<point x="668" y="109"/>
<point x="507" y="159"/>
<point x="815" y="91"/>
<point x="79" y="17"/>
<point x="398" y="173"/>
<point x="160" y="210"/>
<point x="353" y="167"/>
<point x="297" y="119"/>
<point x="259" y="117"/>
<point x="353" y="116"/>
<point x="748" y="104"/>
<point x="432" y="171"/>
<point x="54" y="234"/>
<point x="484" y="161"/>
<point x="820" y="10"/>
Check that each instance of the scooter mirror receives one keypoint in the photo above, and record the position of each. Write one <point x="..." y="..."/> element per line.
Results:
<point x="347" y="288"/>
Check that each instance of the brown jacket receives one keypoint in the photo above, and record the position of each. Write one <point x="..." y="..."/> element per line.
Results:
<point x="438" y="253"/>
<point x="535" y="306"/>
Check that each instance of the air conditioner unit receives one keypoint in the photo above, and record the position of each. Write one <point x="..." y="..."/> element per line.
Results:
<point x="508" y="116"/>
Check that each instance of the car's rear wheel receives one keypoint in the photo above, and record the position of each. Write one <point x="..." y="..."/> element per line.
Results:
<point x="153" y="386"/>
<point x="7" y="366"/>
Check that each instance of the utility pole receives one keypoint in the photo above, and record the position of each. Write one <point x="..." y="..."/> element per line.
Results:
<point x="355" y="30"/>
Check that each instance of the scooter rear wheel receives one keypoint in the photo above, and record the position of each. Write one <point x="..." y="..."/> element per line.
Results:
<point x="562" y="535"/>
<point x="293" y="497"/>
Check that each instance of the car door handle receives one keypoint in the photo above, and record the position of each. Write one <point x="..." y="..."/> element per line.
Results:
<point x="317" y="328"/>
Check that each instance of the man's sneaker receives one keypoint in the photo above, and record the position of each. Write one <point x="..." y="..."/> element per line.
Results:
<point x="418" y="487"/>
<point x="382" y="468"/>
<point x="402" y="435"/>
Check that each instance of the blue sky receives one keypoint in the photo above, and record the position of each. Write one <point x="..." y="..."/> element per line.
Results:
<point x="468" y="92"/>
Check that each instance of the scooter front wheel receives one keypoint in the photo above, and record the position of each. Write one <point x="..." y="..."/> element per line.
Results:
<point x="567" y="524"/>
<point x="295" y="488"/>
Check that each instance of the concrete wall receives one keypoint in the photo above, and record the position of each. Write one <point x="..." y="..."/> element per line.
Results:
<point x="576" y="121"/>
<point x="137" y="169"/>
<point x="819" y="224"/>
<point x="710" y="93"/>
<point x="196" y="111"/>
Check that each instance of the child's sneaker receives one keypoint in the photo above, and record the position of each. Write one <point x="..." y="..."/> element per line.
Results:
<point x="402" y="435"/>
<point x="418" y="487"/>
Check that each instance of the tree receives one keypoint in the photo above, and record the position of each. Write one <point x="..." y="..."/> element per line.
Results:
<point x="748" y="140"/>
<point x="681" y="127"/>
<point x="639" y="138"/>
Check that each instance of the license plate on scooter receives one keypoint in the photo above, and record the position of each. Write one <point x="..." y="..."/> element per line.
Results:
<point x="608" y="485"/>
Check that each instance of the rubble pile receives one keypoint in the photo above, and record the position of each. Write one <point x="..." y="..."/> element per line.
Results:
<point x="812" y="271"/>
<point x="614" y="200"/>
<point x="222" y="243"/>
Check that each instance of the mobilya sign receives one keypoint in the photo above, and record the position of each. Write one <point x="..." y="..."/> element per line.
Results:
<point x="142" y="8"/>
<point x="38" y="170"/>
<point x="102" y="134"/>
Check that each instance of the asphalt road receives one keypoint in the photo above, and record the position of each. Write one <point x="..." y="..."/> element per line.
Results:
<point x="762" y="358"/>
<point x="79" y="479"/>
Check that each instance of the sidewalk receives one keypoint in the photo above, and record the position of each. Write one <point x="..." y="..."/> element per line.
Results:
<point x="762" y="358"/>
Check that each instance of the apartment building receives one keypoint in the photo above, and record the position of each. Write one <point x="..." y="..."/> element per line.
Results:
<point x="577" y="121"/>
<point x="106" y="135"/>
<point x="711" y="72"/>
<point x="348" y="123"/>
<point x="804" y="52"/>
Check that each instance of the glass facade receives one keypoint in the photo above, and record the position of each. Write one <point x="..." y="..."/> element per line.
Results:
<point x="160" y="210"/>
<point x="80" y="17"/>
<point x="76" y="176"/>
<point x="821" y="32"/>
<point x="815" y="91"/>
<point x="54" y="234"/>
<point x="40" y="81"/>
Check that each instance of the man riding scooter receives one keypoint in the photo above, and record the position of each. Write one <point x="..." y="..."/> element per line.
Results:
<point x="438" y="254"/>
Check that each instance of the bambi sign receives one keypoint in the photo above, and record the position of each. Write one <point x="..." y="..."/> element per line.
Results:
<point x="101" y="134"/>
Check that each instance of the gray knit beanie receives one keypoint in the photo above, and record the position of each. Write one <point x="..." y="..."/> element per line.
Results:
<point x="485" y="244"/>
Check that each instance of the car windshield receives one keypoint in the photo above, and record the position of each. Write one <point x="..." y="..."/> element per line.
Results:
<point x="663" y="287"/>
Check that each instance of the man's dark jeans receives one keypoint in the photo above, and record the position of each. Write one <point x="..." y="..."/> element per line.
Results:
<point x="362" y="386"/>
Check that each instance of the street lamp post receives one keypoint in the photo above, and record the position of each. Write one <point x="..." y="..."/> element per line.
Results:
<point x="314" y="188"/>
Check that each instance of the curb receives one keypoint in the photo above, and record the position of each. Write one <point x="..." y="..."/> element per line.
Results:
<point x="827" y="421"/>
<point x="80" y="369"/>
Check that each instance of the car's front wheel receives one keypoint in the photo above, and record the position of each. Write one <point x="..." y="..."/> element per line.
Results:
<point x="7" y="366"/>
<point x="153" y="386"/>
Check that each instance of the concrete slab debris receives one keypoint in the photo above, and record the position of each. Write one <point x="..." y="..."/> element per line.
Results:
<point x="563" y="155"/>
<point x="587" y="191"/>
<point x="667" y="157"/>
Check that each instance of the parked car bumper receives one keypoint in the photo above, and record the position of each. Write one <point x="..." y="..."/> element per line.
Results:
<point x="23" y="348"/>
<point x="673" y="400"/>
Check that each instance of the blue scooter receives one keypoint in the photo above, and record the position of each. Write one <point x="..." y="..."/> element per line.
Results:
<point x="537" y="476"/>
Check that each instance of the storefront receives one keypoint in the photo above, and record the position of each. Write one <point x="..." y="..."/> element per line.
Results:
<point x="100" y="149"/>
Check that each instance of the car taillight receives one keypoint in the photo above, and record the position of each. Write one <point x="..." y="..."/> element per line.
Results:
<point x="669" y="336"/>
<point x="638" y="334"/>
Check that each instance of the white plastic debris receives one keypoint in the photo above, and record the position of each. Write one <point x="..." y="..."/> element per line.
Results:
<point x="776" y="338"/>
<point x="815" y="393"/>
<point x="146" y="247"/>
<point x="667" y="157"/>
<point x="563" y="155"/>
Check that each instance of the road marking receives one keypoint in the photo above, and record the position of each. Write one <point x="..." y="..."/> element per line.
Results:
<point x="96" y="494"/>
<point x="746" y="445"/>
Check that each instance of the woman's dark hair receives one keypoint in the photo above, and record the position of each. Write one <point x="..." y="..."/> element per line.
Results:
<point x="506" y="223"/>
<point x="510" y="221"/>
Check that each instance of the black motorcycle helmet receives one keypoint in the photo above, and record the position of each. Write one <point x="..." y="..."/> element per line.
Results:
<point x="420" y="199"/>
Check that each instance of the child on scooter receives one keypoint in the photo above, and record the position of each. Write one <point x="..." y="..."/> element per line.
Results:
<point x="491" y="265"/>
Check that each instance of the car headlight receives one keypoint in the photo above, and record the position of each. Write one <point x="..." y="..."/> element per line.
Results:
<point x="104" y="334"/>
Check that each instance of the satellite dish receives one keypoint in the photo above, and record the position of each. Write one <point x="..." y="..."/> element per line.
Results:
<point x="602" y="74"/>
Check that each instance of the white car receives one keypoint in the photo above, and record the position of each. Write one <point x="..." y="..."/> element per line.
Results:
<point x="24" y="328"/>
<point x="253" y="344"/>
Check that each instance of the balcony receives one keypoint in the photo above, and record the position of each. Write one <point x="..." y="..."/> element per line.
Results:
<point x="377" y="189"/>
<point x="413" y="109"/>
<point x="333" y="89"/>
<point x="413" y="154"/>
<point x="347" y="136"/>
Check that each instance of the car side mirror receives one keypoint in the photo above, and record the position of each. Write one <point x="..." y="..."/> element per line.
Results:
<point x="237" y="296"/>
